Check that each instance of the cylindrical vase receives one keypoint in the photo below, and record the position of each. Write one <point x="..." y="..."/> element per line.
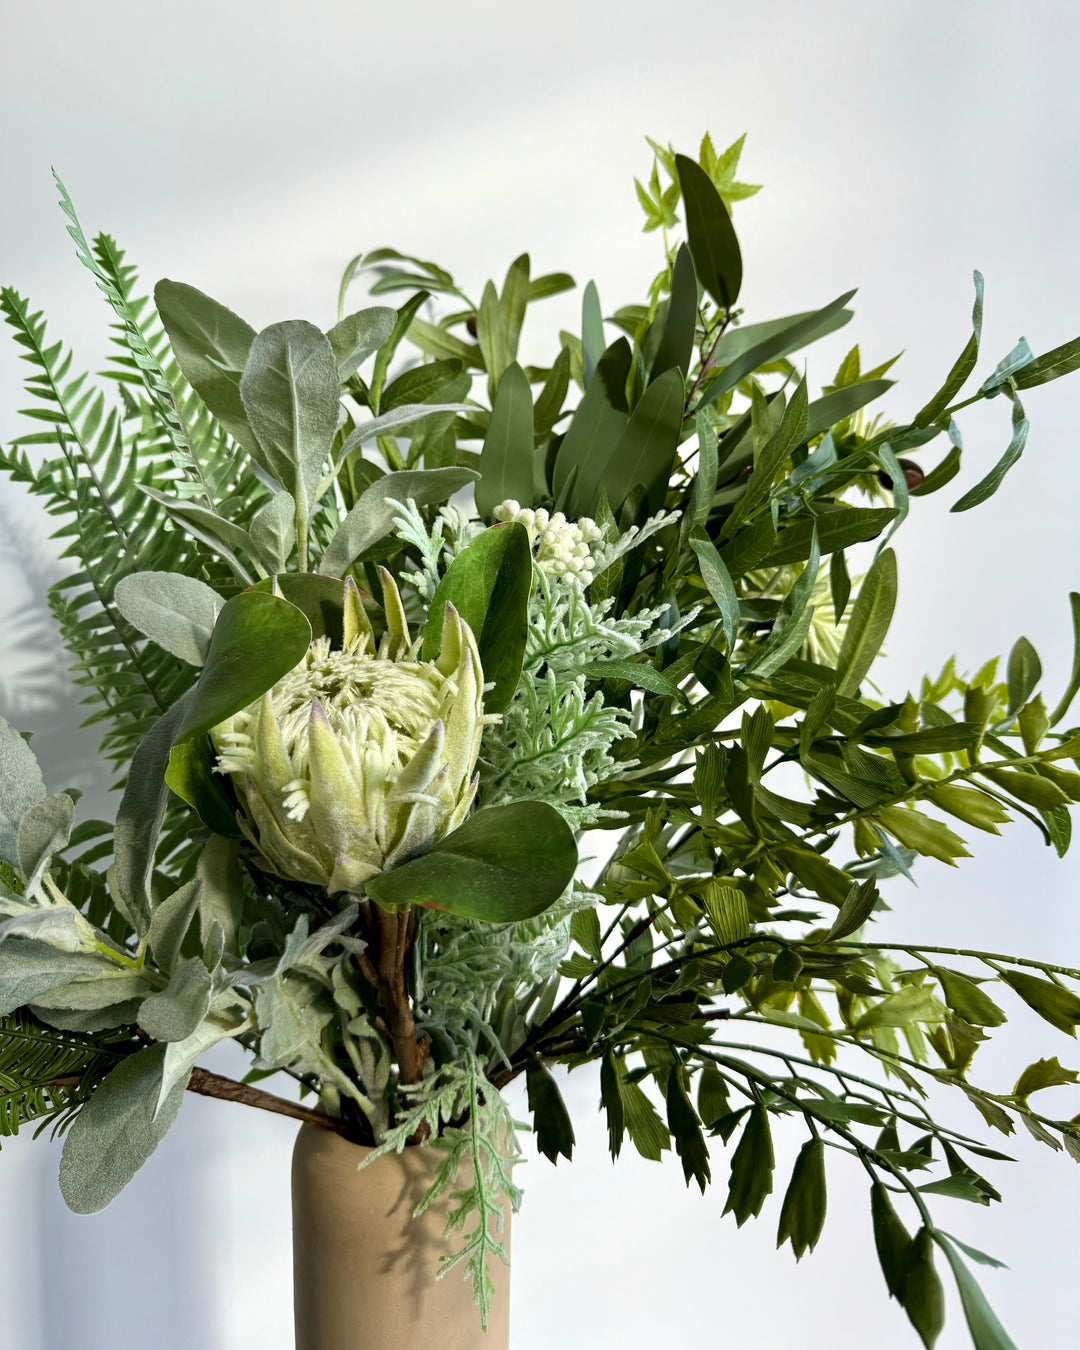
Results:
<point x="364" y="1270"/>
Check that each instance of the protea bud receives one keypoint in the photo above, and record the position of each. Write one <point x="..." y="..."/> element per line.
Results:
<point x="361" y="758"/>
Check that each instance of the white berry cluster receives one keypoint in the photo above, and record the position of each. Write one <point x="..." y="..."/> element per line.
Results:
<point x="561" y="546"/>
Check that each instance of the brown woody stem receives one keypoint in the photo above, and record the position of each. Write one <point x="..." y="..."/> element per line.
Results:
<point x="209" y="1084"/>
<point x="383" y="964"/>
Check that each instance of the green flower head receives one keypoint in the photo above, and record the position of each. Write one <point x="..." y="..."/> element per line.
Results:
<point x="359" y="759"/>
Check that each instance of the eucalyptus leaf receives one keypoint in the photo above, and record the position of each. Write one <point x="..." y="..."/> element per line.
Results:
<point x="675" y="349"/>
<point x="177" y="612"/>
<point x="987" y="1333"/>
<point x="595" y="428"/>
<point x="141" y="812"/>
<point x="644" y="453"/>
<point x="592" y="331"/>
<point x="504" y="864"/>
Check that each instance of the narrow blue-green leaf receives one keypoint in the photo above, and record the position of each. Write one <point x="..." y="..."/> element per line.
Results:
<point x="987" y="1333"/>
<point x="962" y="368"/>
<point x="644" y="676"/>
<point x="839" y="584"/>
<point x="793" y="330"/>
<point x="676" y="346"/>
<point x="718" y="583"/>
<point x="803" y="330"/>
<point x="870" y="618"/>
<point x="901" y="502"/>
<point x="598" y="422"/>
<point x="1020" y="356"/>
<point x="592" y="331"/>
<point x="825" y="412"/>
<point x="645" y="452"/>
<point x="714" y="245"/>
<point x="506" y="460"/>
<point x="987" y="486"/>
<point x="1051" y="365"/>
<point x="1074" y="678"/>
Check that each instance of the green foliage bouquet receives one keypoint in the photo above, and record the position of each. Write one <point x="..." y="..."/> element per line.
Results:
<point x="378" y="622"/>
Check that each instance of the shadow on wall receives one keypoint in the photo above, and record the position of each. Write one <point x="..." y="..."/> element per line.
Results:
<point x="37" y="693"/>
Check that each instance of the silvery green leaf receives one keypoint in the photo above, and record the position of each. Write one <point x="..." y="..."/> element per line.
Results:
<point x="292" y="1019"/>
<point x="395" y="420"/>
<point x="28" y="969"/>
<point x="372" y="515"/>
<point x="211" y="529"/>
<point x="221" y="897"/>
<point x="61" y="926"/>
<point x="43" y="831"/>
<point x="170" y="922"/>
<point x="21" y="786"/>
<point x="291" y="393"/>
<point x="138" y="821"/>
<point x="358" y="335"/>
<point x="182" y="1056"/>
<point x="87" y="1021"/>
<point x="116" y="985"/>
<point x="117" y="1130"/>
<point x="214" y="947"/>
<point x="273" y="531"/>
<point x="175" y="1012"/>
<point x="177" y="612"/>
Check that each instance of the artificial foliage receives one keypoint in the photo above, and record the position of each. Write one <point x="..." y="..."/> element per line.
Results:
<point x="377" y="622"/>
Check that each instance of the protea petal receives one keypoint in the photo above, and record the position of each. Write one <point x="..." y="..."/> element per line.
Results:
<point x="396" y="640"/>
<point x="357" y="625"/>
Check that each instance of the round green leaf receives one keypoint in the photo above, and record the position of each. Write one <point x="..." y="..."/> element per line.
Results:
<point x="488" y="584"/>
<point x="321" y="598"/>
<point x="505" y="864"/>
<point x="258" y="638"/>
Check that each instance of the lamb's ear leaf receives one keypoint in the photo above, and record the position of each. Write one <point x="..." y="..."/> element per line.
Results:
<point x="358" y="335"/>
<point x="177" y="612"/>
<point x="117" y="1130"/>
<point x="505" y="864"/>
<point x="371" y="517"/>
<point x="488" y="583"/>
<point x="257" y="639"/>
<point x="211" y="346"/>
<point x="21" y="787"/>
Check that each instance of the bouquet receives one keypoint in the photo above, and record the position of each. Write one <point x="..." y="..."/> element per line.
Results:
<point x="385" y="631"/>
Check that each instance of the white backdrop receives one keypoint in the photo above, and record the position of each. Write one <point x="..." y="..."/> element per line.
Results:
<point x="251" y="149"/>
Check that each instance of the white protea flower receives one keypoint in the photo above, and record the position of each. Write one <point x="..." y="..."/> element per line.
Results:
<point x="561" y="546"/>
<point x="359" y="759"/>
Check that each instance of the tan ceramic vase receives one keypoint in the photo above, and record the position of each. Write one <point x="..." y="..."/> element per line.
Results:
<point x="364" y="1269"/>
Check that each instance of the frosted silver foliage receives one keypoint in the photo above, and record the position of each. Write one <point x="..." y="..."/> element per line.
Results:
<point x="361" y="758"/>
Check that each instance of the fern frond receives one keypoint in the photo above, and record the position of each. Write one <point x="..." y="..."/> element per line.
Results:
<point x="46" y="1075"/>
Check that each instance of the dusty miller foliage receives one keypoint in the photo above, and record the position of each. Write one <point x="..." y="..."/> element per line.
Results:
<point x="723" y="967"/>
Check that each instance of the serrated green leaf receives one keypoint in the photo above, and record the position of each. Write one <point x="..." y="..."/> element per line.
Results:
<point x="751" y="1168"/>
<point x="802" y="1214"/>
<point x="551" y="1120"/>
